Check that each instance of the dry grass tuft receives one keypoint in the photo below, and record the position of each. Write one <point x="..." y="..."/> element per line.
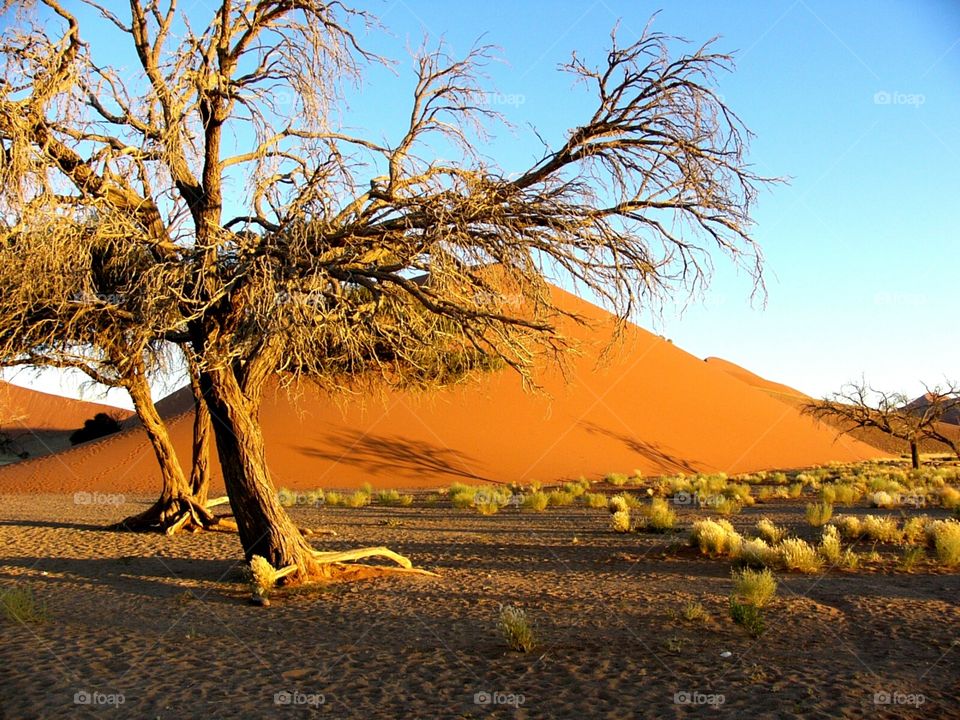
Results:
<point x="799" y="555"/>
<point x="754" y="587"/>
<point x="516" y="629"/>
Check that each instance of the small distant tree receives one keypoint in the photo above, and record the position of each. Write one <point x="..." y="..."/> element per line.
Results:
<point x="100" y="425"/>
<point x="858" y="405"/>
<point x="341" y="252"/>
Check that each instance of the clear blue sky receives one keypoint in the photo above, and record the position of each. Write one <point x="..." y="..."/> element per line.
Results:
<point x="857" y="102"/>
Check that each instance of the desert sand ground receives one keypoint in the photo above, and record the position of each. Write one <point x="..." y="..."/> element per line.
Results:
<point x="165" y="623"/>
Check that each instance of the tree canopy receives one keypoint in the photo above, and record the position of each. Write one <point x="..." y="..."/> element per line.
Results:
<point x="347" y="252"/>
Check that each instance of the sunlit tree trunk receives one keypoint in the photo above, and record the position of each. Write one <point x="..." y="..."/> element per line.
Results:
<point x="265" y="528"/>
<point x="181" y="502"/>
<point x="200" y="469"/>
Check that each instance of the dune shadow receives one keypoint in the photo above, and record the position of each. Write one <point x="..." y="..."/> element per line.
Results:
<point x="391" y="455"/>
<point x="649" y="450"/>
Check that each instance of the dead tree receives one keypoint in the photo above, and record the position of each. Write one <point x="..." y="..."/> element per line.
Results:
<point x="348" y="252"/>
<point x="858" y="405"/>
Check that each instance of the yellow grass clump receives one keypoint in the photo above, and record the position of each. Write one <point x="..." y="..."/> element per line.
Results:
<point x="754" y="587"/>
<point x="799" y="555"/>
<point x="770" y="532"/>
<point x="715" y="537"/>
<point x="945" y="538"/>
<point x="620" y="521"/>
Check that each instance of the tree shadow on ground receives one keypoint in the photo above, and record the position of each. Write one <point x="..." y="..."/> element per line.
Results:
<point x="148" y="576"/>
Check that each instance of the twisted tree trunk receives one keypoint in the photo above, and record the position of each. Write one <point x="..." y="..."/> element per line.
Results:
<point x="265" y="528"/>
<point x="182" y="503"/>
<point x="200" y="468"/>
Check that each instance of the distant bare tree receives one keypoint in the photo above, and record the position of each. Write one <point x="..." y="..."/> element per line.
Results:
<point x="352" y="254"/>
<point x="858" y="405"/>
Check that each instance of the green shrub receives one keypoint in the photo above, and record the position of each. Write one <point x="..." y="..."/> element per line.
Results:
<point x="361" y="498"/>
<point x="880" y="529"/>
<point x="773" y="534"/>
<point x="849" y="526"/>
<point x="850" y="559"/>
<point x="882" y="499"/>
<point x="840" y="493"/>
<point x="617" y="479"/>
<point x="949" y="497"/>
<point x="618" y="503"/>
<point x="830" y="549"/>
<point x="594" y="500"/>
<point x="560" y="498"/>
<point x="911" y="556"/>
<point x="748" y="616"/>
<point x="576" y="489"/>
<point x="388" y="497"/>
<point x="799" y="555"/>
<point x="715" y="537"/>
<point x="756" y="553"/>
<point x="754" y="587"/>
<point x="915" y="529"/>
<point x="620" y="521"/>
<point x="287" y="497"/>
<point x="333" y="499"/>
<point x="946" y="541"/>
<point x="694" y="611"/>
<point x="726" y="506"/>
<point x="536" y="501"/>
<point x="487" y="507"/>
<point x="461" y="496"/>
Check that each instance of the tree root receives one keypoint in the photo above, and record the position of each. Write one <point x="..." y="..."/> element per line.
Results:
<point x="173" y="515"/>
<point x="332" y="566"/>
<point x="185" y="514"/>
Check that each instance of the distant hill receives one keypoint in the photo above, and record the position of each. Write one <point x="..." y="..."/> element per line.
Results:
<point x="871" y="436"/>
<point x="952" y="416"/>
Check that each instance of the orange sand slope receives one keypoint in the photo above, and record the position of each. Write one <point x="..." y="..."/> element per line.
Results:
<point x="784" y="392"/>
<point x="30" y="409"/>
<point x="651" y="407"/>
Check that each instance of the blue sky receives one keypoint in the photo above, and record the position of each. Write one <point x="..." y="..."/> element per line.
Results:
<point x="856" y="102"/>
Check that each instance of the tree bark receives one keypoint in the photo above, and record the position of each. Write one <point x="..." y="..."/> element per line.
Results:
<point x="915" y="454"/>
<point x="200" y="468"/>
<point x="264" y="527"/>
<point x="178" y="506"/>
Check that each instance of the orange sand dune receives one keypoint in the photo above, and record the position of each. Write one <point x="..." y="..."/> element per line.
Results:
<point x="651" y="407"/>
<point x="43" y="411"/>
<point x="40" y="423"/>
